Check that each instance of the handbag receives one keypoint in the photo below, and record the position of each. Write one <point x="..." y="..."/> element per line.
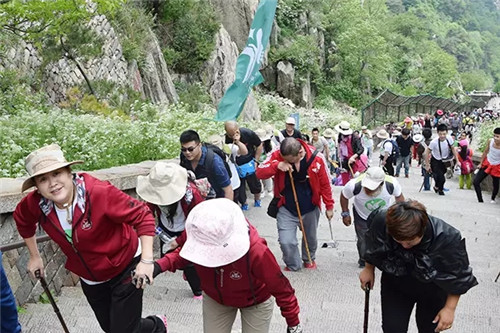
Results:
<point x="448" y="160"/>
<point x="467" y="166"/>
<point x="246" y="169"/>
<point x="272" y="209"/>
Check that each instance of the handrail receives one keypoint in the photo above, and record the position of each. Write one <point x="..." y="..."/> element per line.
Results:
<point x="21" y="243"/>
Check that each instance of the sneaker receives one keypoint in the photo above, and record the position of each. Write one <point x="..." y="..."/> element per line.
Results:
<point x="396" y="175"/>
<point x="441" y="193"/>
<point x="310" y="265"/>
<point x="262" y="194"/>
<point x="257" y="203"/>
<point x="493" y="202"/>
<point x="361" y="263"/>
<point x="286" y="269"/>
<point x="164" y="320"/>
<point x="244" y="207"/>
<point x="199" y="297"/>
<point x="407" y="176"/>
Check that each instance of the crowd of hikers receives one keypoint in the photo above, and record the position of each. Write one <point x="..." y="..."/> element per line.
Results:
<point x="197" y="210"/>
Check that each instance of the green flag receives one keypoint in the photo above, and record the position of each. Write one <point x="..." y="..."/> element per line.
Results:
<point x="248" y="63"/>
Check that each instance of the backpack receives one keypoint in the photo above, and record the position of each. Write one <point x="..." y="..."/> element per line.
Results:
<point x="467" y="166"/>
<point x="209" y="159"/>
<point x="395" y="148"/>
<point x="388" y="185"/>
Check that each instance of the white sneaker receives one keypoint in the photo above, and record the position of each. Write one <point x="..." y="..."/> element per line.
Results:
<point x="493" y="202"/>
<point x="262" y="194"/>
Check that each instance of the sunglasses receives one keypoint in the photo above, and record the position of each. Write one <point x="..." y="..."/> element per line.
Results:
<point x="189" y="149"/>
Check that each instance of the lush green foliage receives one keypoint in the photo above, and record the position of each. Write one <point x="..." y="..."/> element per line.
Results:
<point x="186" y="29"/>
<point x="486" y="133"/>
<point x="409" y="46"/>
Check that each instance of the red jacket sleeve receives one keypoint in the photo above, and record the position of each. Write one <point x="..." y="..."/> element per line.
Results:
<point x="172" y="261"/>
<point x="324" y="183"/>
<point x="26" y="215"/>
<point x="122" y="208"/>
<point x="269" y="167"/>
<point x="268" y="271"/>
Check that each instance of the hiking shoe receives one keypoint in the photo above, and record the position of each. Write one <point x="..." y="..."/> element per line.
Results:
<point x="310" y="265"/>
<point x="493" y="202"/>
<point x="244" y="207"/>
<point x="286" y="269"/>
<point x="257" y="203"/>
<point x="164" y="321"/>
<point x="396" y="175"/>
<point x="441" y="193"/>
<point x="407" y="176"/>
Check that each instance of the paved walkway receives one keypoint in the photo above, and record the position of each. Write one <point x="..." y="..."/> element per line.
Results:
<point x="330" y="297"/>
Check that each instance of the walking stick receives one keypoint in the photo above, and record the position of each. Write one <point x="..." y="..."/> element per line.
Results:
<point x="367" y="307"/>
<point x="300" y="216"/>
<point x="331" y="243"/>
<point x="51" y="299"/>
<point x="497" y="277"/>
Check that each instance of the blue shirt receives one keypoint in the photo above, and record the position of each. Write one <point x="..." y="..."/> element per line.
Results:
<point x="218" y="176"/>
<point x="303" y="189"/>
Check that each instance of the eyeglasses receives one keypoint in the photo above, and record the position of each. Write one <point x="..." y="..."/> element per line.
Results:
<point x="189" y="149"/>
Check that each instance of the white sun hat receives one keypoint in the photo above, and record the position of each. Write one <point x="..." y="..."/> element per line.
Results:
<point x="217" y="233"/>
<point x="344" y="128"/>
<point x="290" y="120"/>
<point x="43" y="160"/>
<point x="165" y="184"/>
<point x="374" y="176"/>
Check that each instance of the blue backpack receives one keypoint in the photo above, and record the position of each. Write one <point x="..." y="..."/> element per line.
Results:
<point x="395" y="148"/>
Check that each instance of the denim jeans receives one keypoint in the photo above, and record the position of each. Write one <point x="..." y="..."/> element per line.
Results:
<point x="8" y="308"/>
<point x="427" y="179"/>
<point x="403" y="160"/>
<point x="287" y="236"/>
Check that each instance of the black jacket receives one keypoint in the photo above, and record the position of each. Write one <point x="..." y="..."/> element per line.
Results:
<point x="440" y="257"/>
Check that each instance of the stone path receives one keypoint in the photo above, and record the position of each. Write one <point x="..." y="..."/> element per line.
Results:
<point x="330" y="298"/>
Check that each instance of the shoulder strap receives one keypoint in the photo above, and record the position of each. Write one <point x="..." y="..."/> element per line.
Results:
<point x="389" y="184"/>
<point x="311" y="159"/>
<point x="357" y="184"/>
<point x="209" y="161"/>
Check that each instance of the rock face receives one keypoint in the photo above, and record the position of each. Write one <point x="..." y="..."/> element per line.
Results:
<point x="157" y="83"/>
<point x="288" y="87"/>
<point x="236" y="17"/>
<point x="218" y="73"/>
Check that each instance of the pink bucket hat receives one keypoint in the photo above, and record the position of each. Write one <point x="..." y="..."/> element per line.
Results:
<point x="217" y="233"/>
<point x="463" y="143"/>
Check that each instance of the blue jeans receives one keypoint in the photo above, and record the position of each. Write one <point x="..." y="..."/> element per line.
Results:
<point x="8" y="314"/>
<point x="399" y="163"/>
<point x="427" y="179"/>
<point x="287" y="236"/>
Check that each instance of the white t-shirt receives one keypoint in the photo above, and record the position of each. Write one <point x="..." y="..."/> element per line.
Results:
<point x="179" y="220"/>
<point x="445" y="147"/>
<point x="385" y="147"/>
<point x="235" y="179"/>
<point x="365" y="204"/>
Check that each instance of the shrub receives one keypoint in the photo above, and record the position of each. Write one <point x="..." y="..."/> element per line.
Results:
<point x="486" y="132"/>
<point x="186" y="30"/>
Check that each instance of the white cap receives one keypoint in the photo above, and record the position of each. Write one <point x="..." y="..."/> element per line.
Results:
<point x="373" y="177"/>
<point x="290" y="120"/>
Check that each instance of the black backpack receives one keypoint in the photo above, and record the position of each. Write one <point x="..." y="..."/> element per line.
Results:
<point x="209" y="159"/>
<point x="388" y="185"/>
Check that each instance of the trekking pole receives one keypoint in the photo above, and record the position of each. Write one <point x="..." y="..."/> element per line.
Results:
<point x="367" y="307"/>
<point x="300" y="216"/>
<point x="51" y="299"/>
<point x="498" y="276"/>
<point x="331" y="243"/>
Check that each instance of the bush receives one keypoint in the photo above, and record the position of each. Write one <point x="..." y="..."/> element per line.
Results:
<point x="186" y="30"/>
<point x="17" y="94"/>
<point x="486" y="132"/>
<point x="302" y="52"/>
<point x="102" y="142"/>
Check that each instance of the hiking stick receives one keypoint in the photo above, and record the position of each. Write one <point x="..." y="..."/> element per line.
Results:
<point x="51" y="299"/>
<point x="497" y="277"/>
<point x="367" y="308"/>
<point x="300" y="216"/>
<point x="331" y="243"/>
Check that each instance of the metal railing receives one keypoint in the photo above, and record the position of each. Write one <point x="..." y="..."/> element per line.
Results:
<point x="21" y="243"/>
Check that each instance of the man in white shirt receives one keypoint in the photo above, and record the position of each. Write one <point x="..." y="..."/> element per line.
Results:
<point x="371" y="190"/>
<point x="441" y="155"/>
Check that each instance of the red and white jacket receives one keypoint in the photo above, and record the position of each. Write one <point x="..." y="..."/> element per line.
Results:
<point x="105" y="234"/>
<point x="317" y="173"/>
<point x="248" y="281"/>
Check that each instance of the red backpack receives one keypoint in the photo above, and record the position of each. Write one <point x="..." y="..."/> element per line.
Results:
<point x="467" y="166"/>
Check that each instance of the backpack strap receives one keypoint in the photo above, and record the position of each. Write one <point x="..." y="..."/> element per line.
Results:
<point x="311" y="159"/>
<point x="209" y="162"/>
<point x="389" y="185"/>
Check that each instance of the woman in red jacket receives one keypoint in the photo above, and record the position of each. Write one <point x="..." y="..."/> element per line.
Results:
<point x="171" y="195"/>
<point x="106" y="235"/>
<point x="237" y="270"/>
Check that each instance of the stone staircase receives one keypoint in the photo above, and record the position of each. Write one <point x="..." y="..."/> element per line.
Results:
<point x="330" y="297"/>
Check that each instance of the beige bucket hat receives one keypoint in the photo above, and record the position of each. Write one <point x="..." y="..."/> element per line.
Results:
<point x="43" y="160"/>
<point x="217" y="233"/>
<point x="165" y="184"/>
<point x="382" y="134"/>
<point x="344" y="128"/>
<point x="373" y="177"/>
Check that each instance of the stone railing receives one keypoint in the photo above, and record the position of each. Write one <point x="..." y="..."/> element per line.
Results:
<point x="15" y="261"/>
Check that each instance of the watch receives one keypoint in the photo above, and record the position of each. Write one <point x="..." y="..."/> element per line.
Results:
<point x="345" y="214"/>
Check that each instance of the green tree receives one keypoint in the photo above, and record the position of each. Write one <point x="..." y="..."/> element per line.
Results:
<point x="476" y="80"/>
